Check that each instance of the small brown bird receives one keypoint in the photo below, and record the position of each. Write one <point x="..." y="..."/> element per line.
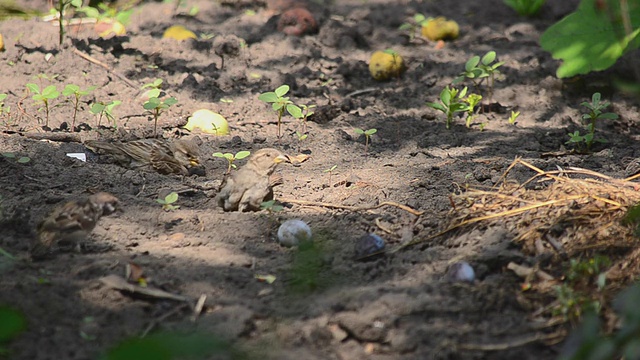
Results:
<point x="166" y="157"/>
<point x="252" y="184"/>
<point x="72" y="222"/>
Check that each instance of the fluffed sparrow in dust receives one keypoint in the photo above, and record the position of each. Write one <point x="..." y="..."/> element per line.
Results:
<point x="163" y="156"/>
<point x="72" y="222"/>
<point x="252" y="184"/>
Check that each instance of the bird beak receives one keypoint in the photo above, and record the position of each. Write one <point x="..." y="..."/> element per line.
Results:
<point x="281" y="158"/>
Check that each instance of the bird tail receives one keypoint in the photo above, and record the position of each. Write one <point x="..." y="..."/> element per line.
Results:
<point x="96" y="146"/>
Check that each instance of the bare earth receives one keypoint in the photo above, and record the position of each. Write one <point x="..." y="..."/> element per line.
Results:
<point x="326" y="306"/>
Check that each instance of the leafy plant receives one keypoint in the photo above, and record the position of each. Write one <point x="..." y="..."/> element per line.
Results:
<point x="168" y="201"/>
<point x="106" y="12"/>
<point x="302" y="113"/>
<point x="157" y="107"/>
<point x="155" y="87"/>
<point x="231" y="158"/>
<point x="414" y="25"/>
<point x="513" y="117"/>
<point x="105" y="109"/>
<point x="330" y="171"/>
<point x="301" y="137"/>
<point x="593" y="37"/>
<point x="62" y="6"/>
<point x="45" y="96"/>
<point x="525" y="7"/>
<point x="20" y="160"/>
<point x="451" y="102"/>
<point x="75" y="93"/>
<point x="472" y="101"/>
<point x="367" y="135"/>
<point x="596" y="112"/>
<point x="280" y="103"/>
<point x="478" y="69"/>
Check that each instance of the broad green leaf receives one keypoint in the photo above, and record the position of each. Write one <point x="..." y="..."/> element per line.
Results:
<point x="242" y="154"/>
<point x="405" y="26"/>
<point x="282" y="90"/>
<point x="472" y="63"/>
<point x="171" y="198"/>
<point x="153" y="93"/>
<point x="588" y="40"/>
<point x="50" y="92"/>
<point x="437" y="107"/>
<point x="97" y="108"/>
<point x="608" y="116"/>
<point x="359" y="131"/>
<point x="268" y="97"/>
<point x="295" y="111"/>
<point x="171" y="101"/>
<point x="488" y="58"/>
<point x="445" y="96"/>
<point x="9" y="155"/>
<point x="33" y="88"/>
<point x="24" y="160"/>
<point x="70" y="89"/>
<point x="371" y="131"/>
<point x="463" y="93"/>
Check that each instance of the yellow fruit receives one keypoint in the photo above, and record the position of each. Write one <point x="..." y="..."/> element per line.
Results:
<point x="106" y="27"/>
<point x="441" y="29"/>
<point x="208" y="122"/>
<point x="386" y="64"/>
<point x="179" y="33"/>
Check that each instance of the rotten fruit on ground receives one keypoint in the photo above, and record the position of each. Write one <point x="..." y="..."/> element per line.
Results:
<point x="441" y="29"/>
<point x="298" y="22"/>
<point x="178" y="32"/>
<point x="107" y="27"/>
<point x="386" y="64"/>
<point x="208" y="122"/>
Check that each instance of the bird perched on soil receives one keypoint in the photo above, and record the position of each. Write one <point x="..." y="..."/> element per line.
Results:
<point x="72" y="222"/>
<point x="164" y="156"/>
<point x="252" y="184"/>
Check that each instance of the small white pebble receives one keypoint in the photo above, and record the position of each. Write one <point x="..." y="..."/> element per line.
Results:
<point x="292" y="232"/>
<point x="461" y="272"/>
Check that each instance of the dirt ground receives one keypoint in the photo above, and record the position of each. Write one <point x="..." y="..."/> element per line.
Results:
<point x="321" y="306"/>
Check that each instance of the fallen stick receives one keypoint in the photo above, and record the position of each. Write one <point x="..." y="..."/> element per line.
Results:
<point x="352" y="208"/>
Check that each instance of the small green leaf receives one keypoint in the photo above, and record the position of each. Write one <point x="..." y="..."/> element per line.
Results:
<point x="391" y="52"/>
<point x="437" y="106"/>
<point x="50" y="92"/>
<point x="97" y="108"/>
<point x="358" y="131"/>
<point x="405" y="26"/>
<point x="242" y="154"/>
<point x="268" y="97"/>
<point x="70" y="89"/>
<point x="472" y="63"/>
<point x="295" y="111"/>
<point x="9" y="155"/>
<point x="608" y="116"/>
<point x="371" y="132"/>
<point x="282" y="90"/>
<point x="489" y="57"/>
<point x="24" y="160"/>
<point x="171" y="198"/>
<point x="33" y="88"/>
<point x="171" y="101"/>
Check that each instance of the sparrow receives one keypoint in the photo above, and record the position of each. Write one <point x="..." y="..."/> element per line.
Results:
<point x="72" y="222"/>
<point x="163" y="156"/>
<point x="251" y="185"/>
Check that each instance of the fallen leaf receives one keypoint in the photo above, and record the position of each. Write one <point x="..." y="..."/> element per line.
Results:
<point x="298" y="159"/>
<point x="269" y="279"/>
<point x="178" y="32"/>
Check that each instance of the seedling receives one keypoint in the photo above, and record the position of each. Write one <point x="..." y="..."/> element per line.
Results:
<point x="280" y="103"/>
<point x="74" y="91"/>
<point x="525" y="7"/>
<point x="157" y="107"/>
<point x="513" y="117"/>
<point x="105" y="109"/>
<point x="168" y="201"/>
<point x="11" y="156"/>
<point x="367" y="135"/>
<point x="478" y="69"/>
<point x="301" y="138"/>
<point x="302" y="113"/>
<point x="231" y="158"/>
<point x="271" y="206"/>
<point x="451" y="102"/>
<point x="45" y="96"/>
<point x="62" y="6"/>
<point x="414" y="25"/>
<point x="4" y="109"/>
<point x="472" y="101"/>
<point x="330" y="171"/>
<point x="155" y="86"/>
<point x="596" y="108"/>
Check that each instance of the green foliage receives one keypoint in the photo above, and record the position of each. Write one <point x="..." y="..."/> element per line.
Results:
<point x="12" y="156"/>
<point x="478" y="69"/>
<point x="231" y="158"/>
<point x="525" y="7"/>
<point x="309" y="269"/>
<point x="596" y="112"/>
<point x="513" y="117"/>
<point x="280" y="103"/>
<point x="155" y="87"/>
<point x="157" y="106"/>
<point x="271" y="206"/>
<point x="367" y="135"/>
<point x="105" y="109"/>
<point x="76" y="93"/>
<point x="593" y="37"/>
<point x="472" y="101"/>
<point x="302" y="113"/>
<point x="451" y="101"/>
<point x="172" y="346"/>
<point x="12" y="323"/>
<point x="105" y="11"/>
<point x="167" y="202"/>
<point x="330" y="171"/>
<point x="414" y="25"/>
<point x="45" y="96"/>
<point x="589" y="342"/>
<point x="62" y="7"/>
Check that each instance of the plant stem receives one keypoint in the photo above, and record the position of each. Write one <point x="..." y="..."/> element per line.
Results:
<point x="60" y="20"/>
<point x="75" y="112"/>
<point x="366" y="143"/>
<point x="280" y="112"/>
<point x="46" y="109"/>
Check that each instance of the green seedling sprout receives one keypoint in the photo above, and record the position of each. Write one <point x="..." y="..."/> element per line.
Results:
<point x="451" y="102"/>
<point x="231" y="158"/>
<point x="75" y="93"/>
<point x="280" y="103"/>
<point x="157" y="107"/>
<point x="302" y="115"/>
<point x="45" y="96"/>
<point x="271" y="206"/>
<point x="414" y="25"/>
<point x="168" y="201"/>
<point x="472" y="101"/>
<point x="13" y="157"/>
<point x="155" y="87"/>
<point x="101" y="109"/>
<point x="513" y="117"/>
<point x="367" y="134"/>
<point x="62" y="6"/>
<point x="330" y="171"/>
<point x="525" y="7"/>
<point x="477" y="69"/>
<point x="596" y="112"/>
